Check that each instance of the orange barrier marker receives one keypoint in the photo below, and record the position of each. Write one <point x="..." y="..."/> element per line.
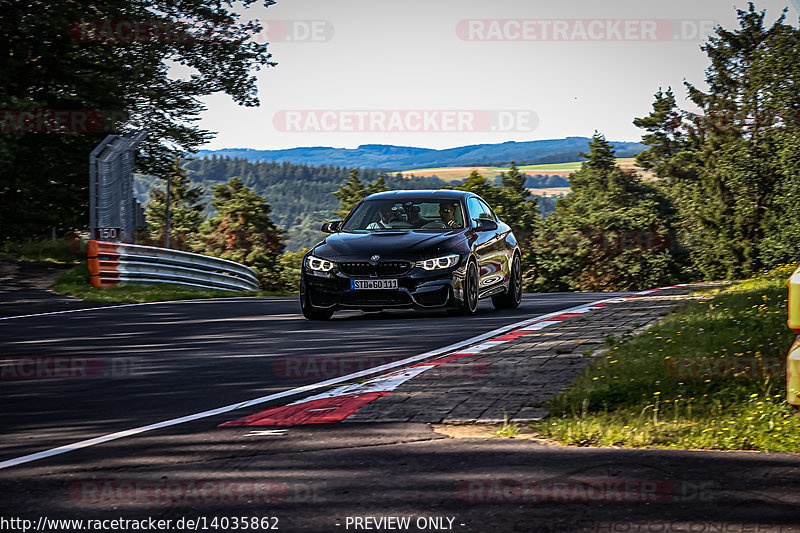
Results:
<point x="94" y="264"/>
<point x="103" y="261"/>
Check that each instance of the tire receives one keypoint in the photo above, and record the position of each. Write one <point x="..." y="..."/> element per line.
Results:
<point x="469" y="305"/>
<point x="309" y="311"/>
<point x="513" y="295"/>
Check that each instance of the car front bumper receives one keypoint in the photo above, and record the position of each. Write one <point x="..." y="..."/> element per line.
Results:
<point x="418" y="289"/>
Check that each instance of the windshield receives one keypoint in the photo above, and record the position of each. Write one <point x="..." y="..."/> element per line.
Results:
<point x="406" y="214"/>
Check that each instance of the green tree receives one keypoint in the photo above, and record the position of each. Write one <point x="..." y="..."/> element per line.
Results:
<point x="354" y="190"/>
<point x="291" y="264"/>
<point x="514" y="181"/>
<point x="242" y="231"/>
<point x="185" y="213"/>
<point x="729" y="169"/>
<point x="349" y="194"/>
<point x="665" y="136"/>
<point x="78" y="56"/>
<point x="509" y="202"/>
<point x="782" y="222"/>
<point x="611" y="233"/>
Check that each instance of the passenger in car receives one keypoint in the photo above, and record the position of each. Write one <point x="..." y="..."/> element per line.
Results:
<point x="385" y="221"/>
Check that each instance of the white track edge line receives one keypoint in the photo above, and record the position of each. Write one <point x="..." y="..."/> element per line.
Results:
<point x="192" y="300"/>
<point x="239" y="405"/>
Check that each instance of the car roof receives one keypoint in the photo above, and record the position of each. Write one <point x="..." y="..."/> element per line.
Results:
<point x="433" y="194"/>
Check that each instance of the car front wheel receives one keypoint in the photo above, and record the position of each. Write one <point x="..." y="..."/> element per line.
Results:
<point x="309" y="311"/>
<point x="469" y="304"/>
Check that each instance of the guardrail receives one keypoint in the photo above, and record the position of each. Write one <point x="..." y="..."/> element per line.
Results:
<point x="112" y="263"/>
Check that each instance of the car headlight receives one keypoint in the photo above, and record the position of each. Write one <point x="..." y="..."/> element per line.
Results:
<point x="320" y="265"/>
<point x="437" y="263"/>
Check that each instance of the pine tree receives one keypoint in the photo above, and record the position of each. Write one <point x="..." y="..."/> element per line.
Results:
<point x="514" y="181"/>
<point x="349" y="194"/>
<point x="353" y="191"/>
<point x="185" y="216"/>
<point x="242" y="231"/>
<point x="379" y="185"/>
<point x="611" y="233"/>
<point x="665" y="136"/>
<point x="601" y="154"/>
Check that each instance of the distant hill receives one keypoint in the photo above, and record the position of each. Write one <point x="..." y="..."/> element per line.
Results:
<point x="396" y="158"/>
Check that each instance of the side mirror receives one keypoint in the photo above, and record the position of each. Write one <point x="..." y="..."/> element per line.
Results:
<point x="484" y="224"/>
<point x="331" y="227"/>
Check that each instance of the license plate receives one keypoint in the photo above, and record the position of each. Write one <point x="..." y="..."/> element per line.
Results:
<point x="373" y="283"/>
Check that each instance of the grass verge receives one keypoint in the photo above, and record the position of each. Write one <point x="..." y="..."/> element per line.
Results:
<point x="75" y="282"/>
<point x="712" y="375"/>
<point x="53" y="251"/>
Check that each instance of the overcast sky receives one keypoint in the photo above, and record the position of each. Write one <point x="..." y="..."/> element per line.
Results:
<point x="444" y="73"/>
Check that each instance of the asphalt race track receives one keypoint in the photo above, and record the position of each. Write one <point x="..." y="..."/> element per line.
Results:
<point x="126" y="367"/>
<point x="74" y="376"/>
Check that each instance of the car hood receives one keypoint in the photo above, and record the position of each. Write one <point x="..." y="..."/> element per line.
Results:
<point x="388" y="244"/>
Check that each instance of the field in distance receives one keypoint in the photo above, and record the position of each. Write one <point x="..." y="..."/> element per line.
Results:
<point x="550" y="191"/>
<point x="551" y="169"/>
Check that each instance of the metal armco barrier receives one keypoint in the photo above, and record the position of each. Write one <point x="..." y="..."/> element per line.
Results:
<point x="793" y="359"/>
<point x="112" y="263"/>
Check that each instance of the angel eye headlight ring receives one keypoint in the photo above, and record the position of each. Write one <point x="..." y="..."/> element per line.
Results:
<point x="438" y="263"/>
<point x="318" y="264"/>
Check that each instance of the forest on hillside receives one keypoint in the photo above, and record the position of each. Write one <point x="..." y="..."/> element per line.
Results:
<point x="301" y="196"/>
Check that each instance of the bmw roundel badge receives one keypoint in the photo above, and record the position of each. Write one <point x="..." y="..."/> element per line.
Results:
<point x="375" y="258"/>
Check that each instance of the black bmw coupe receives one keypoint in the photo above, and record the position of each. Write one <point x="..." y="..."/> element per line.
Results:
<point x="413" y="249"/>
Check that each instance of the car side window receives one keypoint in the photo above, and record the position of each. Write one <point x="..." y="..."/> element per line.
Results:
<point x="475" y="210"/>
<point x="487" y="212"/>
<point x="478" y="209"/>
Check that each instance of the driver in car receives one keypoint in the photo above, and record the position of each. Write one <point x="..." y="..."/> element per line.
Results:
<point x="447" y="213"/>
